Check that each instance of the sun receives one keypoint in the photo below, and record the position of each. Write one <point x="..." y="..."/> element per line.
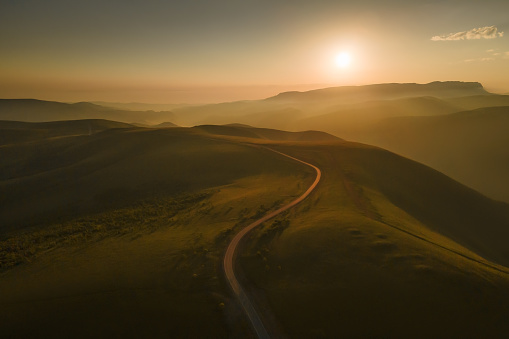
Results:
<point x="343" y="60"/>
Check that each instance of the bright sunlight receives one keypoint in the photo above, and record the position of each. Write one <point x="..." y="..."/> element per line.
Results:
<point x="343" y="60"/>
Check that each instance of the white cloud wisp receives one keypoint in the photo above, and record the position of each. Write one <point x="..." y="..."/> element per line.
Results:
<point x="488" y="32"/>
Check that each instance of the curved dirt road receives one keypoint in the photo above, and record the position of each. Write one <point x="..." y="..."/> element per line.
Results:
<point x="229" y="257"/>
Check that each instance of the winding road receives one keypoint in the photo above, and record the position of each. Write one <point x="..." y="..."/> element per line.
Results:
<point x="229" y="257"/>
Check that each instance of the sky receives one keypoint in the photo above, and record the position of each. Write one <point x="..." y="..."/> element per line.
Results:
<point x="197" y="51"/>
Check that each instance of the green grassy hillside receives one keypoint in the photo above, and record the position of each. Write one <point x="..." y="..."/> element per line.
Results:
<point x="122" y="233"/>
<point x="385" y="248"/>
<point x="70" y="176"/>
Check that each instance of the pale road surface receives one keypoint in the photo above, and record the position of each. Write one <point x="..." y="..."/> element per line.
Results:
<point x="229" y="257"/>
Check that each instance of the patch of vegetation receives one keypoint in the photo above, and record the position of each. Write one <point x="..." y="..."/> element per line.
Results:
<point x="143" y="217"/>
<point x="270" y="231"/>
<point x="110" y="261"/>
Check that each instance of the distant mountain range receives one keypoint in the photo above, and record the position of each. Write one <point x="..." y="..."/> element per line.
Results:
<point x="469" y="150"/>
<point x="437" y="89"/>
<point x="138" y="106"/>
<point x="32" y="110"/>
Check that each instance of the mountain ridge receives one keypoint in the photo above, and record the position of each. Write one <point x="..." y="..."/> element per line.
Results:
<point x="452" y="88"/>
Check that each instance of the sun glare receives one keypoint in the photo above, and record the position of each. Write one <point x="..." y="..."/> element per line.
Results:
<point x="343" y="60"/>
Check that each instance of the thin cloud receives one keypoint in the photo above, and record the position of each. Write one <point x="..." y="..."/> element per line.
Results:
<point x="488" y="32"/>
<point x="479" y="59"/>
<point x="493" y="54"/>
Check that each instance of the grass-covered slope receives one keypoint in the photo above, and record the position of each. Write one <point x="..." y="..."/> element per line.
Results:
<point x="70" y="176"/>
<point x="386" y="248"/>
<point x="122" y="233"/>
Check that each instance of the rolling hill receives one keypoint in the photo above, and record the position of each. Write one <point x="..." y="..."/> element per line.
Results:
<point x="31" y="110"/>
<point x="17" y="131"/>
<point x="165" y="125"/>
<point x="375" y="253"/>
<point x="138" y="106"/>
<point x="245" y="112"/>
<point x="75" y="175"/>
<point x="97" y="228"/>
<point x="122" y="232"/>
<point x="469" y="146"/>
<point x="245" y="131"/>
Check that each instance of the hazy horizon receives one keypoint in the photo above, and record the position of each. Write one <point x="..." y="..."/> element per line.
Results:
<point x="207" y="95"/>
<point x="201" y="52"/>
